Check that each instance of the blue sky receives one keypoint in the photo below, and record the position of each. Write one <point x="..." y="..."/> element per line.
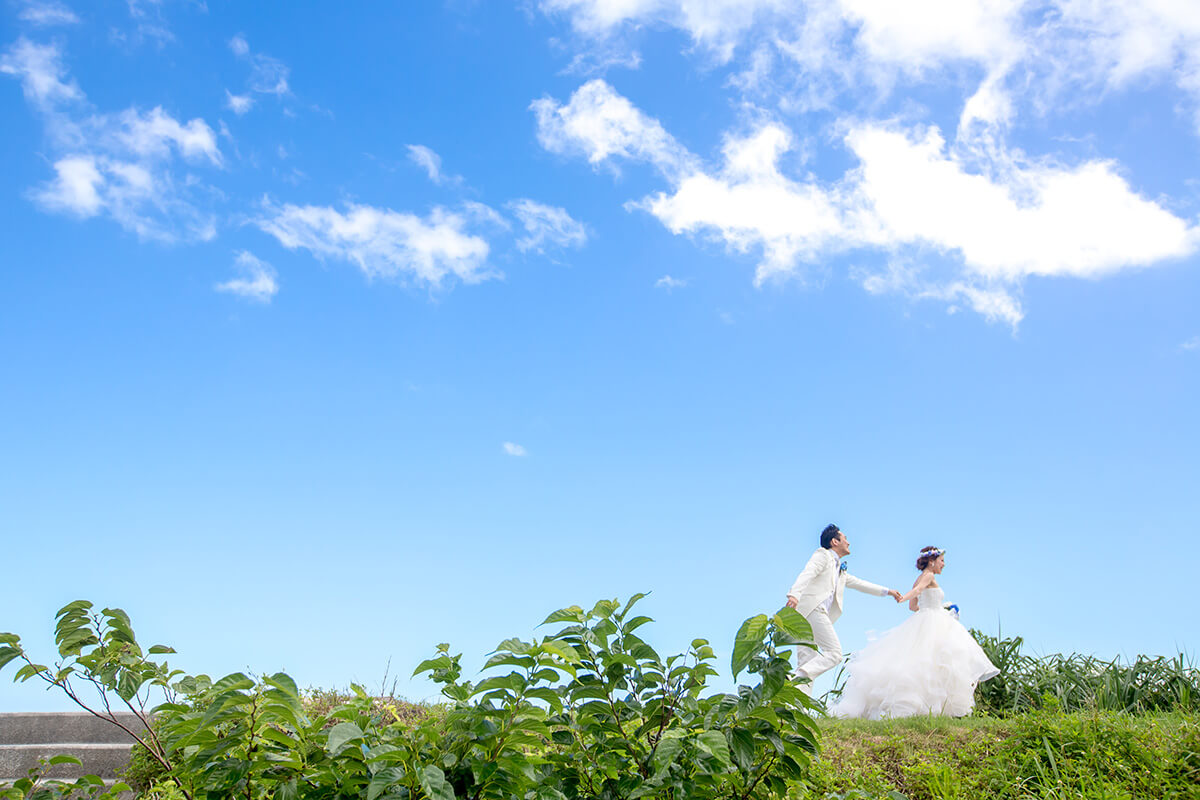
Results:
<point x="335" y="334"/>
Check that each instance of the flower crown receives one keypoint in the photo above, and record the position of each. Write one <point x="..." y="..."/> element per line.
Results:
<point x="934" y="553"/>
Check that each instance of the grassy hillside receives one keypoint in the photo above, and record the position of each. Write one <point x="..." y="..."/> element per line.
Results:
<point x="1040" y="754"/>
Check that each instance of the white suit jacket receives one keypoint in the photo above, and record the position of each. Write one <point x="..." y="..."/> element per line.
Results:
<point x="822" y="577"/>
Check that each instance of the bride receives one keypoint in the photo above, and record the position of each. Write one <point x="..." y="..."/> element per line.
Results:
<point x="929" y="664"/>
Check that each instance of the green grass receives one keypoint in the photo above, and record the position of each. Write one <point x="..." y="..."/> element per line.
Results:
<point x="1043" y="754"/>
<point x="1078" y="682"/>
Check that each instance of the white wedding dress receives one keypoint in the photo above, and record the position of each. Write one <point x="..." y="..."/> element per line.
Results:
<point x="928" y="664"/>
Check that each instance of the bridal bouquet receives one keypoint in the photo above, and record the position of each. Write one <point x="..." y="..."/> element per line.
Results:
<point x="952" y="608"/>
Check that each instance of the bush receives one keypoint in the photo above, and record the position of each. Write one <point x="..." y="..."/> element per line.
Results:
<point x="591" y="710"/>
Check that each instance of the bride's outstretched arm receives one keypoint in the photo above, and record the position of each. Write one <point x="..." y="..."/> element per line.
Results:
<point x="922" y="582"/>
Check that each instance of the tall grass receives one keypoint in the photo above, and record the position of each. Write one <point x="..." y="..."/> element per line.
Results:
<point x="1078" y="682"/>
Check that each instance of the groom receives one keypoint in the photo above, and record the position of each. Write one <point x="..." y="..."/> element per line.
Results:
<point x="817" y="594"/>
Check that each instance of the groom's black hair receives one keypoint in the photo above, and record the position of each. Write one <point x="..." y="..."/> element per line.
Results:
<point x="830" y="533"/>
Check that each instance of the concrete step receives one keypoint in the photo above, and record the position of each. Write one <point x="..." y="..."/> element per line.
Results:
<point x="104" y="760"/>
<point x="79" y="727"/>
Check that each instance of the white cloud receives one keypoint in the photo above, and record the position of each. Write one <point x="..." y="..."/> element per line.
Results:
<point x="750" y="205"/>
<point x="546" y="225"/>
<point x="238" y="103"/>
<point x="1191" y="344"/>
<point x="41" y="72"/>
<point x="982" y="219"/>
<point x="75" y="188"/>
<point x="669" y="283"/>
<point x="384" y="243"/>
<point x="1029" y="219"/>
<point x="258" y="282"/>
<point x="120" y="165"/>
<point x="431" y="162"/>
<point x="922" y="34"/>
<point x="239" y="45"/>
<point x="47" y="13"/>
<point x="515" y="449"/>
<point x="155" y="132"/>
<point x="601" y="124"/>
<point x="142" y="198"/>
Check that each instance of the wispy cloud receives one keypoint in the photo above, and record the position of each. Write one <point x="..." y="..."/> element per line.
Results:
<point x="546" y="225"/>
<point x="42" y="74"/>
<point x="123" y="165"/>
<point x="384" y="243"/>
<point x="1191" y="344"/>
<point x="515" y="449"/>
<point x="425" y="158"/>
<point x="669" y="283"/>
<point x="267" y="76"/>
<point x="257" y="281"/>
<point x="46" y="13"/>
<point x="1030" y="54"/>
<point x="149" y="22"/>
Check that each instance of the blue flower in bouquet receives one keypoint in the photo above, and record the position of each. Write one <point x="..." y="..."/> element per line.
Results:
<point x="952" y="608"/>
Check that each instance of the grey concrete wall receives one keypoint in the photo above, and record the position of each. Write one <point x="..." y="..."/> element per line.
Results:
<point x="101" y="746"/>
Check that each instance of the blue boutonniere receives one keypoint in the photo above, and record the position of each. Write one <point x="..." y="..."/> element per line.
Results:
<point x="843" y="567"/>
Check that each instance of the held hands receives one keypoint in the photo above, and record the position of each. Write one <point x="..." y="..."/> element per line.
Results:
<point x="892" y="593"/>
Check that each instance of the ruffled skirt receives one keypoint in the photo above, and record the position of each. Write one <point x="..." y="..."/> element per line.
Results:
<point x="929" y="664"/>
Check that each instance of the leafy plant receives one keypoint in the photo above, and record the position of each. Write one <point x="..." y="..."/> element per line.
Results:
<point x="36" y="786"/>
<point x="590" y="710"/>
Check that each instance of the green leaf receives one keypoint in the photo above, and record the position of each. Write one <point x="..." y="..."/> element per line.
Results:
<point x="288" y="790"/>
<point x="794" y="624"/>
<point x="159" y="649"/>
<point x="284" y="683"/>
<point x="568" y="614"/>
<point x="340" y="735"/>
<point x="441" y="662"/>
<point x="741" y="745"/>
<point x="508" y="659"/>
<point x="513" y="681"/>
<point x="549" y="696"/>
<point x="56" y="760"/>
<point x="512" y="645"/>
<point x="28" y="671"/>
<point x="433" y="781"/>
<point x="562" y="650"/>
<point x="77" y="607"/>
<point x="713" y="743"/>
<point x="383" y="779"/>
<point x="603" y="609"/>
<point x="8" y="653"/>
<point x="747" y="642"/>
<point x="669" y="747"/>
<point x="629" y="605"/>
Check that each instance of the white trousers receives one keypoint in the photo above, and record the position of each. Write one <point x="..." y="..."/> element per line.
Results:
<point x="811" y="663"/>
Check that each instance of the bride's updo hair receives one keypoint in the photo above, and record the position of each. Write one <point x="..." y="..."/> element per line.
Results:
<point x="928" y="554"/>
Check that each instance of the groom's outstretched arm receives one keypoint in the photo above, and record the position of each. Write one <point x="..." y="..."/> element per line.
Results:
<point x="871" y="588"/>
